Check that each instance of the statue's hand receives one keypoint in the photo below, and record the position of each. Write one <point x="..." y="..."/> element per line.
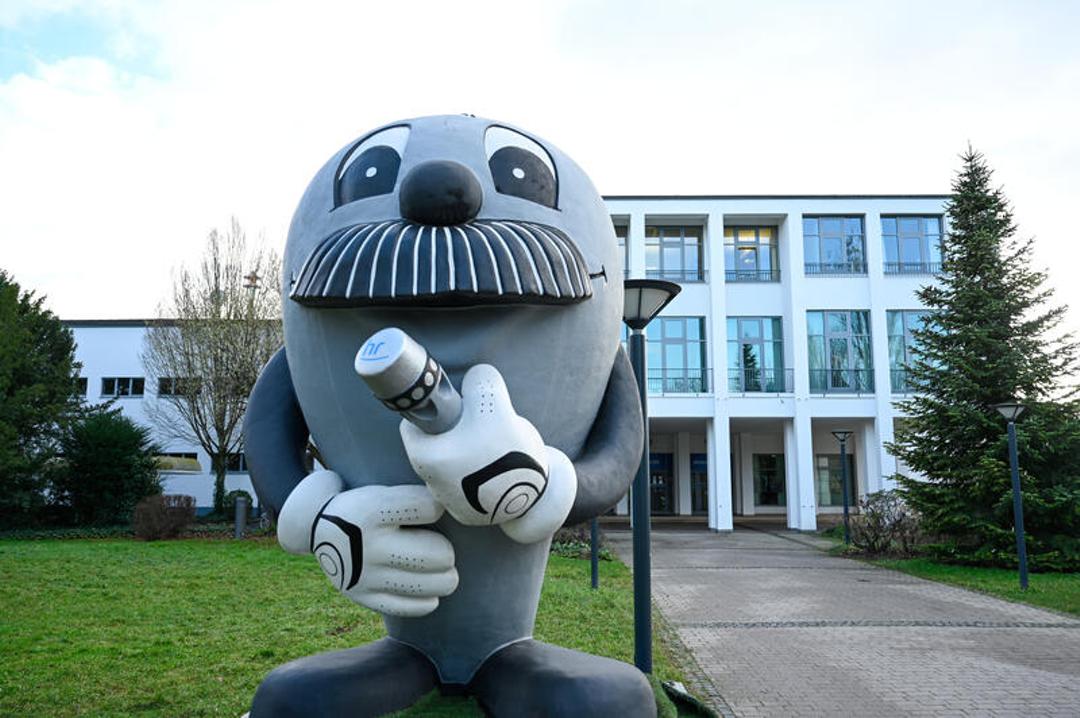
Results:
<point x="363" y="547"/>
<point x="493" y="466"/>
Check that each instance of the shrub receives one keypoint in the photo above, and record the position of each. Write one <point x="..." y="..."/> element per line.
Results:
<point x="109" y="464"/>
<point x="230" y="503"/>
<point x="573" y="542"/>
<point x="885" y="524"/>
<point x="163" y="516"/>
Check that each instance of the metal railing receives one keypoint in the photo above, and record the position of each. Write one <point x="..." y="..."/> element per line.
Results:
<point x="680" y="381"/>
<point x="752" y="275"/>
<point x="912" y="267"/>
<point x="835" y="269"/>
<point x="677" y="275"/>
<point x="761" y="381"/>
<point x="841" y="381"/>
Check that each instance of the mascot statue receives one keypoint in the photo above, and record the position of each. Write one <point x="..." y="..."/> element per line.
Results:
<point x="452" y="318"/>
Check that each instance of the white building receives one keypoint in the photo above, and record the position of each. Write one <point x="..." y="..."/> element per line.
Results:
<point x="794" y="321"/>
<point x="110" y="353"/>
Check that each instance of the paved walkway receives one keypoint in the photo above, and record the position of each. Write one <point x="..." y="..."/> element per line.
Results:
<point x="783" y="629"/>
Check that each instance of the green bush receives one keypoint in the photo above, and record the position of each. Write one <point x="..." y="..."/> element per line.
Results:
<point x="108" y="466"/>
<point x="229" y="504"/>
<point x="574" y="542"/>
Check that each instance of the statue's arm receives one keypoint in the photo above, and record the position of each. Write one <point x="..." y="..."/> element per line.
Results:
<point x="275" y="435"/>
<point x="613" y="448"/>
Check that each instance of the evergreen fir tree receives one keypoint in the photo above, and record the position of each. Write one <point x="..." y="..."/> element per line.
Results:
<point x="991" y="336"/>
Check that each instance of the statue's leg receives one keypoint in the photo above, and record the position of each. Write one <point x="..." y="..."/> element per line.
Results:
<point x="539" y="680"/>
<point x="371" y="680"/>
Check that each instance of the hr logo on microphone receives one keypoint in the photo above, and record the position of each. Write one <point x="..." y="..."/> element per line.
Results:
<point x="370" y="351"/>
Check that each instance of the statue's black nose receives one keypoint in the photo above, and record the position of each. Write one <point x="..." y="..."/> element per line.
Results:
<point x="440" y="192"/>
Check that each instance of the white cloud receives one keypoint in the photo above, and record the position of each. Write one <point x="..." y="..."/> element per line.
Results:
<point x="113" y="168"/>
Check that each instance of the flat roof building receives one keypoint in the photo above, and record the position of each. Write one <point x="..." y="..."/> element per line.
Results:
<point x="794" y="321"/>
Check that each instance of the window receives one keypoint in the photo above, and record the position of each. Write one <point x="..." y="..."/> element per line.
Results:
<point x="676" y="355"/>
<point x="122" y="386"/>
<point x="769" y="480"/>
<point x="81" y="386"/>
<point x="750" y="254"/>
<point x="662" y="483"/>
<point x="237" y="463"/>
<point x="840" y="354"/>
<point x="179" y="461"/>
<point x="674" y="253"/>
<point x="834" y="245"/>
<point x="902" y="323"/>
<point x="912" y="244"/>
<point x="829" y="479"/>
<point x="622" y="234"/>
<point x="756" y="355"/>
<point x="174" y="386"/>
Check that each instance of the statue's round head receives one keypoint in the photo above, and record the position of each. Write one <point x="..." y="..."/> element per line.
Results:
<point x="482" y="241"/>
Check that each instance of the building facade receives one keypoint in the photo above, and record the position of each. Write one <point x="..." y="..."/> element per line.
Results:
<point x="794" y="321"/>
<point x="110" y="352"/>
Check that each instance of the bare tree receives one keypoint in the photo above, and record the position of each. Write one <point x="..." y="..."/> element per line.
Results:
<point x="215" y="333"/>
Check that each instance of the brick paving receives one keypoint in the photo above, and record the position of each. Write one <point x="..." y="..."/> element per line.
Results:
<point x="782" y="629"/>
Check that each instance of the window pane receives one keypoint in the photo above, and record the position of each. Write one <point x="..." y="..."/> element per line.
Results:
<point x="652" y="257"/>
<point x="816" y="346"/>
<point x="137" y="386"/>
<point x="695" y="328"/>
<point x="652" y="231"/>
<point x="853" y="225"/>
<point x="729" y="257"/>
<point x="108" y="387"/>
<point x="832" y="226"/>
<point x="815" y="323"/>
<point x="765" y="235"/>
<point x="897" y="354"/>
<point x="733" y="354"/>
<point x="910" y="225"/>
<point x="732" y="327"/>
<point x="729" y="232"/>
<point x="750" y="329"/>
<point x="838" y="322"/>
<point x="933" y="225"/>
<point x="891" y="253"/>
<point x="809" y="226"/>
<point x="747" y="258"/>
<point x="656" y="357"/>
<point x="860" y="322"/>
<point x="777" y="332"/>
<point x="674" y="356"/>
<point x="673" y="328"/>
<point x="895" y="322"/>
<point x="123" y="387"/>
<point x="811" y="251"/>
<point x="910" y="250"/>
<point x="832" y="250"/>
<point x="672" y="258"/>
<point x="888" y="225"/>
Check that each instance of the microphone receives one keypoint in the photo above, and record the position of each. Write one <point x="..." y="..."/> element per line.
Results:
<point x="406" y="379"/>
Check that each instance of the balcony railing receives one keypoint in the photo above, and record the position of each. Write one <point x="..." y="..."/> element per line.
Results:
<point x="760" y="381"/>
<point x="835" y="269"/>
<point x="677" y="275"/>
<point x="752" y="275"/>
<point x="912" y="267"/>
<point x="841" y="381"/>
<point x="680" y="381"/>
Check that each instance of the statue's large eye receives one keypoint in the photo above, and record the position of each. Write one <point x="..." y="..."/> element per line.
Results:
<point x="371" y="168"/>
<point x="520" y="167"/>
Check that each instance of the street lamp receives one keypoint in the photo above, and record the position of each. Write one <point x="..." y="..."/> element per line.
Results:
<point x="644" y="300"/>
<point x="1012" y="410"/>
<point x="842" y="435"/>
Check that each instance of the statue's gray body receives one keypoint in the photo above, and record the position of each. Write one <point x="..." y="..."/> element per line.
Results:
<point x="561" y="361"/>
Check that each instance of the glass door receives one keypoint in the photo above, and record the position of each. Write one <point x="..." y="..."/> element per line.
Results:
<point x="662" y="483"/>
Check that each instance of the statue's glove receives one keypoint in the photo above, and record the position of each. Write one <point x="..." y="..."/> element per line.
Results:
<point x="364" y="546"/>
<point x="493" y="467"/>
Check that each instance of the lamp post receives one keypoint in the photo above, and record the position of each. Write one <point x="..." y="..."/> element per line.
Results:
<point x="594" y="552"/>
<point x="842" y="435"/>
<point x="1012" y="410"/>
<point x="644" y="300"/>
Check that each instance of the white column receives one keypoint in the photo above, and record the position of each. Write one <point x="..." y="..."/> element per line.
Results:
<point x="682" y="473"/>
<point x="746" y="473"/>
<point x="796" y="288"/>
<point x="718" y="444"/>
<point x="883" y="464"/>
<point x="869" y="447"/>
<point x="736" y="481"/>
<point x="801" y="474"/>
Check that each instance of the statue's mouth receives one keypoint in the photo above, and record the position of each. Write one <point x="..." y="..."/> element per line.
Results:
<point x="399" y="263"/>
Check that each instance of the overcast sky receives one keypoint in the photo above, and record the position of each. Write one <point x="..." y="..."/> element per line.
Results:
<point x="129" y="129"/>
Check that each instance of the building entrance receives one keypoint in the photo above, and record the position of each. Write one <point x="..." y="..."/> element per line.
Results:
<point x="662" y="483"/>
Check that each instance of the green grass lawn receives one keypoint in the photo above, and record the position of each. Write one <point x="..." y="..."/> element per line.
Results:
<point x="189" y="628"/>
<point x="1059" y="591"/>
